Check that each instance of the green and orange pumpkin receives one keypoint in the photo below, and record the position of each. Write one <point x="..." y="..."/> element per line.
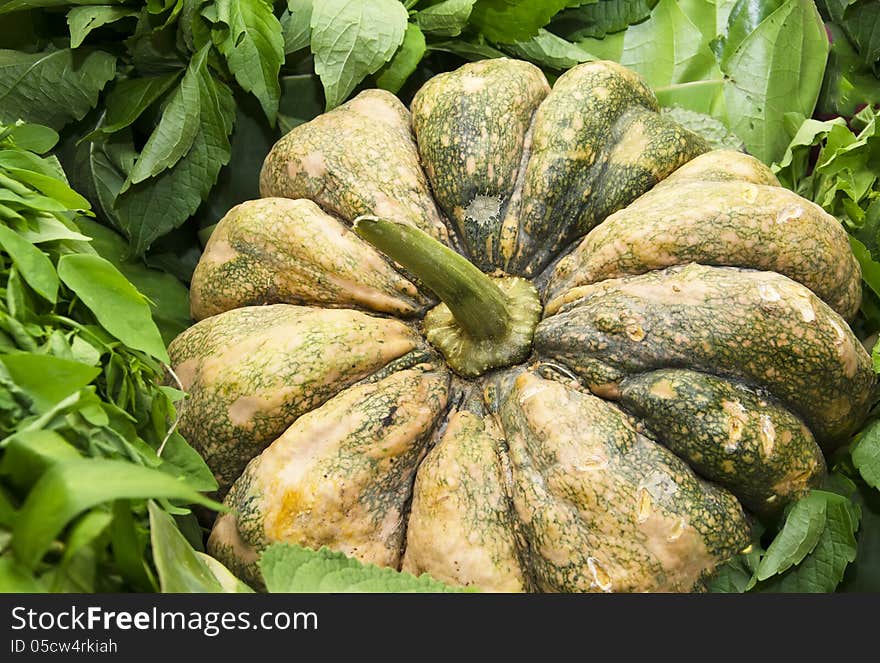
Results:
<point x="520" y="338"/>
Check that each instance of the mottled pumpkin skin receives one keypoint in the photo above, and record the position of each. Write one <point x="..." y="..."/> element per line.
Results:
<point x="692" y="362"/>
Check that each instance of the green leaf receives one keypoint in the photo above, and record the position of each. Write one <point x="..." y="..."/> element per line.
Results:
<point x="32" y="263"/>
<point x="848" y="82"/>
<point x="8" y="6"/>
<point x="508" y="21"/>
<point x="295" y="25"/>
<point x="823" y="569"/>
<point x="174" y="135"/>
<point x="352" y="39"/>
<point x="669" y="49"/>
<point x="47" y="380"/>
<point x="716" y="134"/>
<point x="548" y="50"/>
<point x="82" y="20"/>
<point x="467" y="50"/>
<point x="445" y="19"/>
<point x="87" y="528"/>
<point x="870" y="267"/>
<point x="116" y="303"/>
<point x="52" y="88"/>
<point x="68" y="489"/>
<point x="776" y="69"/>
<point x="34" y="137"/>
<point x="15" y="578"/>
<point x="128" y="544"/>
<point x="128" y="100"/>
<point x="866" y="454"/>
<point x="180" y="568"/>
<point x="29" y="453"/>
<point x="150" y="209"/>
<point x="861" y="23"/>
<point x="394" y="74"/>
<point x="228" y="582"/>
<point x="803" y="526"/>
<point x="301" y="100"/>
<point x="253" y="46"/>
<point x="181" y="460"/>
<point x="51" y="186"/>
<point x="598" y="19"/>
<point x="290" y="568"/>
<point x="169" y="298"/>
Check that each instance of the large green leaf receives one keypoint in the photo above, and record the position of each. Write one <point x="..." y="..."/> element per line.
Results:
<point x="168" y="297"/>
<point x="67" y="489"/>
<point x="290" y="568"/>
<point x="116" y="303"/>
<point x="152" y="208"/>
<point x="52" y="87"/>
<point x="180" y="569"/>
<point x="174" y="135"/>
<point x="352" y="39"/>
<point x="866" y="454"/>
<point x="508" y="21"/>
<point x="32" y="263"/>
<point x="253" y="46"/>
<point x="549" y="50"/>
<point x="803" y="527"/>
<point x="45" y="379"/>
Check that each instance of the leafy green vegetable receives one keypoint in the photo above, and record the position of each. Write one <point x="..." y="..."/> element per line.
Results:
<point x="295" y="25"/>
<point x="866" y="454"/>
<point x="290" y="568"/>
<point x="823" y="569"/>
<point x="745" y="63"/>
<point x="352" y="39"/>
<point x="797" y="539"/>
<point x="404" y="62"/>
<point x="508" y="21"/>
<point x="53" y="87"/>
<point x="180" y="568"/>
<point x="69" y="488"/>
<point x="599" y="19"/>
<point x="549" y="50"/>
<point x="718" y="136"/>
<point x="116" y="303"/>
<point x="87" y="431"/>
<point x="82" y="20"/>
<point x="152" y="208"/>
<point x="445" y="19"/>
<point x="252" y="44"/>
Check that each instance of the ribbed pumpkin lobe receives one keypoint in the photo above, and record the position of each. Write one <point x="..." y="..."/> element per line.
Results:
<point x="483" y="322"/>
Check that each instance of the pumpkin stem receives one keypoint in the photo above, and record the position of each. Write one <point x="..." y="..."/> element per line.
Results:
<point x="484" y="322"/>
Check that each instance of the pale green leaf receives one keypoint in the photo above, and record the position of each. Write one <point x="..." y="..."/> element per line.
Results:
<point x="116" y="303"/>
<point x="180" y="568"/>
<point x="290" y="568"/>
<point x="352" y="39"/>
<point x="295" y="25"/>
<point x="509" y="21"/>
<point x="548" y="50"/>
<point x="32" y="263"/>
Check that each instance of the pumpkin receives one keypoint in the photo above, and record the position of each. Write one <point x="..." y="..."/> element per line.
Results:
<point x="518" y="338"/>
